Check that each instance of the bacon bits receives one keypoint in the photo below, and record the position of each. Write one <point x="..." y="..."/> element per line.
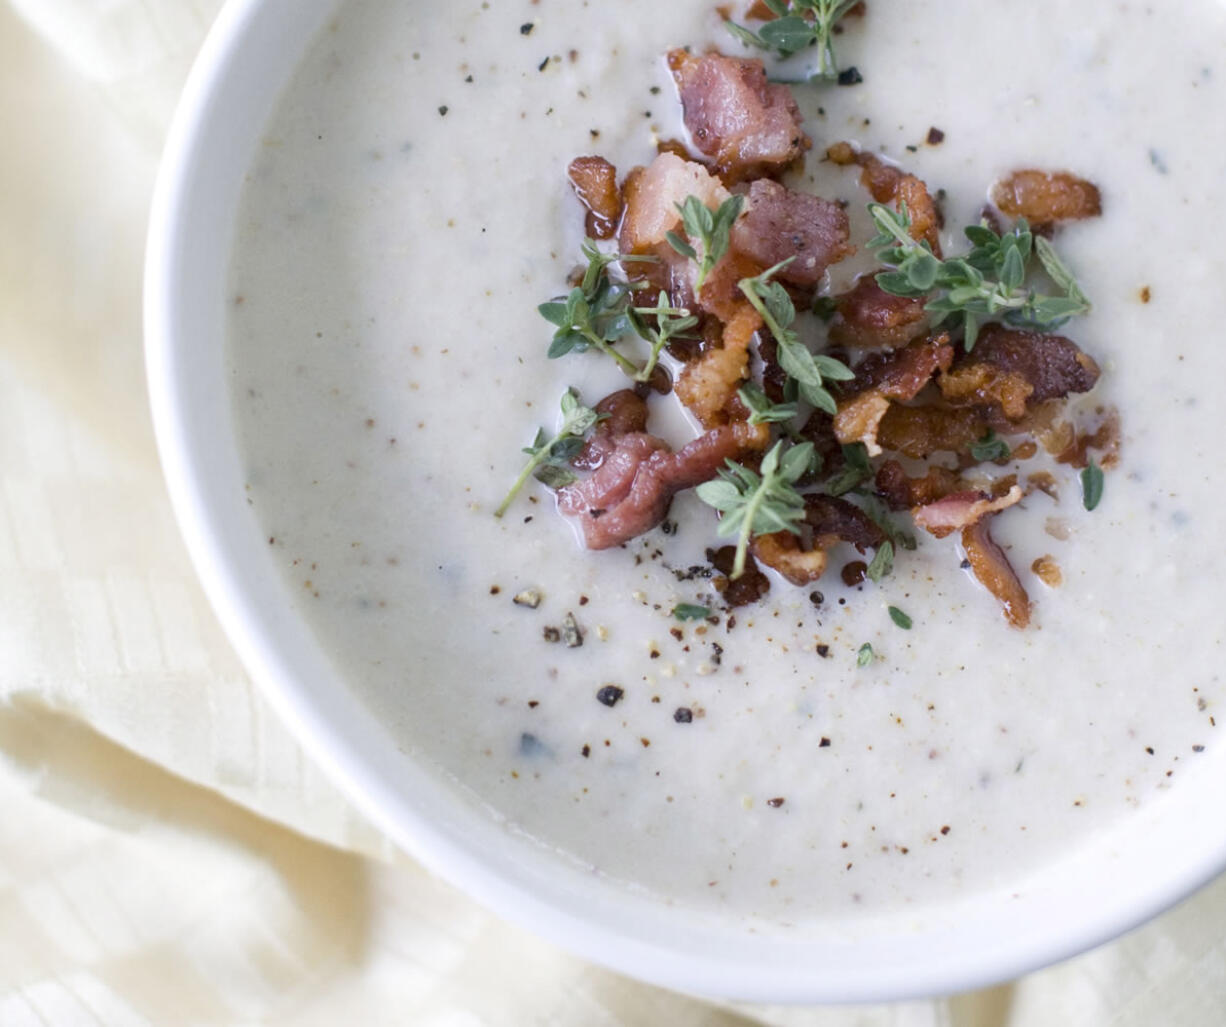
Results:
<point x="746" y="125"/>
<point x="961" y="510"/>
<point x="868" y="317"/>
<point x="594" y="180"/>
<point x="1012" y="369"/>
<point x="631" y="491"/>
<point x="1044" y="198"/>
<point x="992" y="569"/>
<point x="780" y="223"/>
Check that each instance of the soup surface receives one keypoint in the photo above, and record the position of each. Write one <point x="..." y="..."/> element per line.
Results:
<point x="406" y="213"/>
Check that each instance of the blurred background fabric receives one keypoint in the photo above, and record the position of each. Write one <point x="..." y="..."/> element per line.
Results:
<point x="168" y="854"/>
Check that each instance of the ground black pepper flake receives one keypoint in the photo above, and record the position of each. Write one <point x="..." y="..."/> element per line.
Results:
<point x="1198" y="748"/>
<point x="495" y="589"/>
<point x="543" y="65"/>
<point x="823" y="651"/>
<point x="850" y="76"/>
<point x="572" y="634"/>
<point x="945" y="829"/>
<point x="824" y="743"/>
<point x="551" y="634"/>
<point x="935" y="137"/>
<point x="776" y="802"/>
<point x="443" y="111"/>
<point x="683" y="715"/>
<point x="533" y="703"/>
<point x="586" y="751"/>
<point x="816" y="598"/>
<point x="610" y="695"/>
<point x="530" y="745"/>
<point x="526" y="28"/>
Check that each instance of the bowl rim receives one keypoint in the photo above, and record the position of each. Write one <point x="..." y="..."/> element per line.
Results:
<point x="927" y="965"/>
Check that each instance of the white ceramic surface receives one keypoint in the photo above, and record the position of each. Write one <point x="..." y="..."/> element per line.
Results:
<point x="1158" y="856"/>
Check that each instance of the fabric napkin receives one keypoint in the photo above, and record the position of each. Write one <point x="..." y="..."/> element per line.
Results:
<point x="168" y="854"/>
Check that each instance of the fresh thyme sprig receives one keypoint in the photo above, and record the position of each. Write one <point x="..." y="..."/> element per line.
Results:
<point x="761" y="502"/>
<point x="670" y="323"/>
<point x="761" y="409"/>
<point x="712" y="229"/>
<point x="799" y="24"/>
<point x="810" y="371"/>
<point x="549" y="456"/>
<point x="985" y="284"/>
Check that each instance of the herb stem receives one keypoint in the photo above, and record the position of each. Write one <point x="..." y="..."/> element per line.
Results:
<point x="625" y="363"/>
<point x="538" y="458"/>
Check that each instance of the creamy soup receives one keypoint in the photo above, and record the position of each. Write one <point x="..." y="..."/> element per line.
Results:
<point x="406" y="213"/>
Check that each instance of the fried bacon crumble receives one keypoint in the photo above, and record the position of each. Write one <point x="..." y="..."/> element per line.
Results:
<point x="915" y="425"/>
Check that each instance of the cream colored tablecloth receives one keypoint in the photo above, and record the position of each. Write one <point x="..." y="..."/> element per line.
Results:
<point x="167" y="853"/>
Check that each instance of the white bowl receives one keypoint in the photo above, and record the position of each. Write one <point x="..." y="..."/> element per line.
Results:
<point x="1147" y="863"/>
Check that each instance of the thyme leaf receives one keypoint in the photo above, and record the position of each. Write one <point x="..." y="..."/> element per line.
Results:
<point x="691" y="611"/>
<point x="799" y="24"/>
<point x="761" y="409"/>
<point x="990" y="448"/>
<point x="1091" y="485"/>
<point x="809" y="371"/>
<point x="548" y="456"/>
<point x="712" y="229"/>
<point x="987" y="283"/>
<point x="900" y="618"/>
<point x="759" y="502"/>
<point x="882" y="563"/>
<point x="866" y="655"/>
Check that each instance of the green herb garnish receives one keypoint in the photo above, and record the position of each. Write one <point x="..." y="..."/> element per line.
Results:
<point x="691" y="611"/>
<point x="1091" y="485"/>
<point x="549" y="456"/>
<point x="991" y="448"/>
<point x="670" y="323"/>
<point x="882" y="563"/>
<point x="799" y="24"/>
<point x="856" y="470"/>
<point x="987" y="283"/>
<point x="772" y="302"/>
<point x="759" y="502"/>
<point x="900" y="618"/>
<point x="712" y="229"/>
<point x="594" y="314"/>
<point x="866" y="655"/>
<point x="761" y="409"/>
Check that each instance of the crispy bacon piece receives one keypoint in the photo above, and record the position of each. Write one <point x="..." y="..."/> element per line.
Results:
<point x="1013" y="369"/>
<point x="1043" y="197"/>
<point x="868" y="317"/>
<point x="902" y="492"/>
<point x="594" y="180"/>
<point x="991" y="567"/>
<point x="709" y="384"/>
<point x="626" y="413"/>
<point x="902" y="374"/>
<point x="918" y="432"/>
<point x="652" y="195"/>
<point x="784" y="552"/>
<point x="986" y="384"/>
<point x="833" y="520"/>
<point x="631" y="491"/>
<point x="890" y="184"/>
<point x="748" y="126"/>
<point x="961" y="509"/>
<point x="859" y="420"/>
<point x="779" y="223"/>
